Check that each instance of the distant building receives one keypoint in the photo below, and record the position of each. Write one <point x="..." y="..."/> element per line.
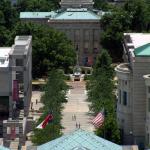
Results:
<point x="13" y="1"/>
<point x="133" y="107"/>
<point x="76" y="3"/>
<point x="15" y="88"/>
<point x="81" y="140"/>
<point x="81" y="25"/>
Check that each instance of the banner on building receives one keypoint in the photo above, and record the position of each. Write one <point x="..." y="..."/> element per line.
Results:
<point x="15" y="90"/>
<point x="13" y="132"/>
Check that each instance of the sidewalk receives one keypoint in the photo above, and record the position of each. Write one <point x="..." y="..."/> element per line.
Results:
<point x="78" y="106"/>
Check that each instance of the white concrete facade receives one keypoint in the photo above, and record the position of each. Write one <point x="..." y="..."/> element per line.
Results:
<point x="15" y="87"/>
<point x="132" y="99"/>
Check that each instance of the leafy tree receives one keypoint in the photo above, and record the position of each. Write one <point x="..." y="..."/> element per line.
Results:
<point x="113" y="32"/>
<point x="133" y="16"/>
<point x="138" y="11"/>
<point x="53" y="98"/>
<point x="100" y="94"/>
<point x="8" y="17"/>
<point x="101" y="4"/>
<point x="51" y="49"/>
<point x="8" y="14"/>
<point x="37" y="5"/>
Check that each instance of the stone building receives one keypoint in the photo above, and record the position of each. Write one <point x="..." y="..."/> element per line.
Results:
<point x="76" y="3"/>
<point x="81" y="25"/>
<point x="15" y="88"/>
<point x="133" y="92"/>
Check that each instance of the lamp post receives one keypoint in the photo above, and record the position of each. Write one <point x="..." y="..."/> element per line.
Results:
<point x="77" y="57"/>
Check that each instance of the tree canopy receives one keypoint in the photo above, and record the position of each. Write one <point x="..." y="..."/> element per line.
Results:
<point x="133" y="16"/>
<point x="37" y="5"/>
<point x="51" y="49"/>
<point x="100" y="94"/>
<point x="53" y="98"/>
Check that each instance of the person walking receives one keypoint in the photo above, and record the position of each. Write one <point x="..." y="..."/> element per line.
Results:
<point x="76" y="125"/>
<point x="79" y="125"/>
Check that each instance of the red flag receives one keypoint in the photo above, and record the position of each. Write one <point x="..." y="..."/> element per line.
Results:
<point x="98" y="120"/>
<point x="47" y="119"/>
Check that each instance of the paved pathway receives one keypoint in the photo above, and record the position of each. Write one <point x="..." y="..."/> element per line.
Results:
<point x="78" y="106"/>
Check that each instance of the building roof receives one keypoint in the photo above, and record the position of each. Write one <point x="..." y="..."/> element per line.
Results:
<point x="3" y="148"/>
<point x="76" y="3"/>
<point x="68" y="14"/>
<point x="139" y="39"/>
<point x="4" y="56"/>
<point x="139" y="43"/>
<point x="143" y="50"/>
<point x="80" y="140"/>
<point x="37" y="15"/>
<point x="77" y="14"/>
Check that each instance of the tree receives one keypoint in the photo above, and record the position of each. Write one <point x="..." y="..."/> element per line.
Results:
<point x="53" y="98"/>
<point x="101" y="95"/>
<point x="112" y="35"/>
<point x="51" y="48"/>
<point x="37" y="5"/>
<point x="8" y="17"/>
<point x="138" y="11"/>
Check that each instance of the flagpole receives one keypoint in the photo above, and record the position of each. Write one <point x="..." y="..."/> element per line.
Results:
<point x="104" y="123"/>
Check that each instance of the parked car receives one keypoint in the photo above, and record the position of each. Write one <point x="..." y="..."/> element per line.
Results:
<point x="77" y="76"/>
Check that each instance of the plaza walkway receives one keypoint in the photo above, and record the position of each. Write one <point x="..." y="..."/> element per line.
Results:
<point x="77" y="106"/>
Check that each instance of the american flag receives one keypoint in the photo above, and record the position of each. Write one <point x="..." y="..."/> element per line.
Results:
<point x="99" y="119"/>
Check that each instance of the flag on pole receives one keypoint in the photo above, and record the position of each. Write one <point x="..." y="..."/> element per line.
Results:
<point x="47" y="119"/>
<point x="99" y="119"/>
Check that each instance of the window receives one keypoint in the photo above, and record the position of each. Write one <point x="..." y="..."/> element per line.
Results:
<point x="120" y="96"/>
<point x="148" y="89"/>
<point x="86" y="35"/>
<point x="77" y="35"/>
<point x="149" y="105"/>
<point x="86" y="46"/>
<point x="96" y="35"/>
<point x="17" y="130"/>
<point x="148" y="139"/>
<point x="125" y="82"/>
<point x="85" y="61"/>
<point x="124" y="98"/>
<point x="8" y="130"/>
<point x="19" y="62"/>
<point x="95" y="50"/>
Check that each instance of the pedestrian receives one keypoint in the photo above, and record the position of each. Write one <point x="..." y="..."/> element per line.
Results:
<point x="76" y="125"/>
<point x="31" y="105"/>
<point x="36" y="101"/>
<point x="74" y="117"/>
<point x="79" y="125"/>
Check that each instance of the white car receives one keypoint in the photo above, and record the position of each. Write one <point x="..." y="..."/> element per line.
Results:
<point x="77" y="76"/>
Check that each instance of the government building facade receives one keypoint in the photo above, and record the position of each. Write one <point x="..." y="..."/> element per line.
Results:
<point x="79" y="21"/>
